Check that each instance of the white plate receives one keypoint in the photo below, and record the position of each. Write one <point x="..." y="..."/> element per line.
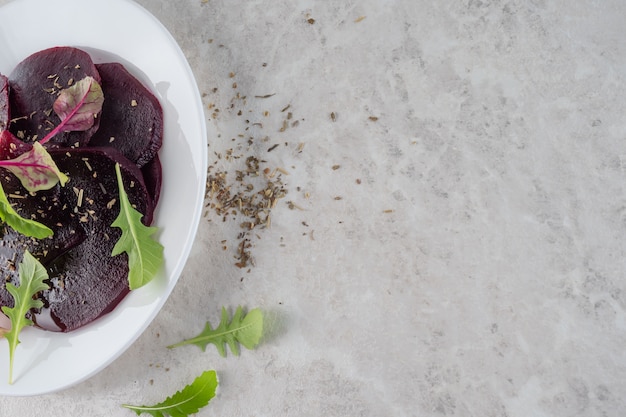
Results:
<point x="113" y="30"/>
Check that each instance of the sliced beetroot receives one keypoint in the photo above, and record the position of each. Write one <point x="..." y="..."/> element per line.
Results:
<point x="46" y="207"/>
<point x="4" y="102"/>
<point x="11" y="147"/>
<point x="86" y="281"/>
<point x="152" y="176"/>
<point x="34" y="85"/>
<point x="132" y="117"/>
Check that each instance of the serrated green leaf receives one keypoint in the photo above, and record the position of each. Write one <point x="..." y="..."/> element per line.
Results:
<point x="32" y="275"/>
<point x="185" y="402"/>
<point x="145" y="255"/>
<point x="246" y="330"/>
<point x="21" y="225"/>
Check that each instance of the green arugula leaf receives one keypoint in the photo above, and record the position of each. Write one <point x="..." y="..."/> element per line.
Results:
<point x="145" y="255"/>
<point x="246" y="330"/>
<point x="32" y="275"/>
<point x="35" y="169"/>
<point x="185" y="402"/>
<point x="24" y="226"/>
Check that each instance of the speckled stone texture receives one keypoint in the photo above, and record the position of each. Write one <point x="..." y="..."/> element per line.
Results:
<point x="452" y="242"/>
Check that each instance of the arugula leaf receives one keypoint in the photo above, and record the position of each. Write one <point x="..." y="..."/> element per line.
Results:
<point x="77" y="107"/>
<point x="35" y="169"/>
<point x="32" y="275"/>
<point x="24" y="226"/>
<point x="145" y="255"/>
<point x="185" y="402"/>
<point x="247" y="330"/>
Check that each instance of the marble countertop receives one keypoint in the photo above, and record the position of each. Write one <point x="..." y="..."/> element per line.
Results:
<point x="452" y="237"/>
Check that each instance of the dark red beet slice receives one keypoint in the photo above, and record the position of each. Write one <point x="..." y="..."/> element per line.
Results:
<point x="45" y="207"/>
<point x="11" y="147"/>
<point x="35" y="83"/>
<point x="152" y="176"/>
<point x="132" y="117"/>
<point x="87" y="282"/>
<point x="4" y="102"/>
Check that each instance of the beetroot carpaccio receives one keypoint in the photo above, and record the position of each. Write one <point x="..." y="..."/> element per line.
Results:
<point x="85" y="280"/>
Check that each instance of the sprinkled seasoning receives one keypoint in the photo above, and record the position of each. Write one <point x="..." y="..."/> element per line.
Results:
<point x="242" y="188"/>
<point x="266" y="96"/>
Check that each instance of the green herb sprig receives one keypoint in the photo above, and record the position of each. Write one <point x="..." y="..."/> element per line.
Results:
<point x="185" y="402"/>
<point x="32" y="275"/>
<point x="246" y="330"/>
<point x="145" y="255"/>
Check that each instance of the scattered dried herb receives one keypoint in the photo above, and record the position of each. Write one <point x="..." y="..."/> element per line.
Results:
<point x="242" y="187"/>
<point x="266" y="96"/>
<point x="248" y="196"/>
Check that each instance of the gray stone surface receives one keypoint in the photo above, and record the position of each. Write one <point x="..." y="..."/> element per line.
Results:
<point x="465" y="256"/>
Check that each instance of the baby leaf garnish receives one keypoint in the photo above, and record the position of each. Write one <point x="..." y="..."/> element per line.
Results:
<point x="35" y="169"/>
<point x="244" y="329"/>
<point x="24" y="226"/>
<point x="32" y="275"/>
<point x="77" y="107"/>
<point x="185" y="402"/>
<point x="145" y="255"/>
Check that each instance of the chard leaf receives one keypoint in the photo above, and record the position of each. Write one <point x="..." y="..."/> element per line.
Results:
<point x="35" y="169"/>
<point x="145" y="255"/>
<point x="21" y="225"/>
<point x="32" y="275"/>
<point x="244" y="329"/>
<point x="185" y="402"/>
<point x="77" y="107"/>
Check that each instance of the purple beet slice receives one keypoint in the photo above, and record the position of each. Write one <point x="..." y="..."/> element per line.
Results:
<point x="46" y="207"/>
<point x="34" y="85"/>
<point x="4" y="102"/>
<point x="152" y="176"/>
<point x="132" y="117"/>
<point x="11" y="147"/>
<point x="86" y="281"/>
